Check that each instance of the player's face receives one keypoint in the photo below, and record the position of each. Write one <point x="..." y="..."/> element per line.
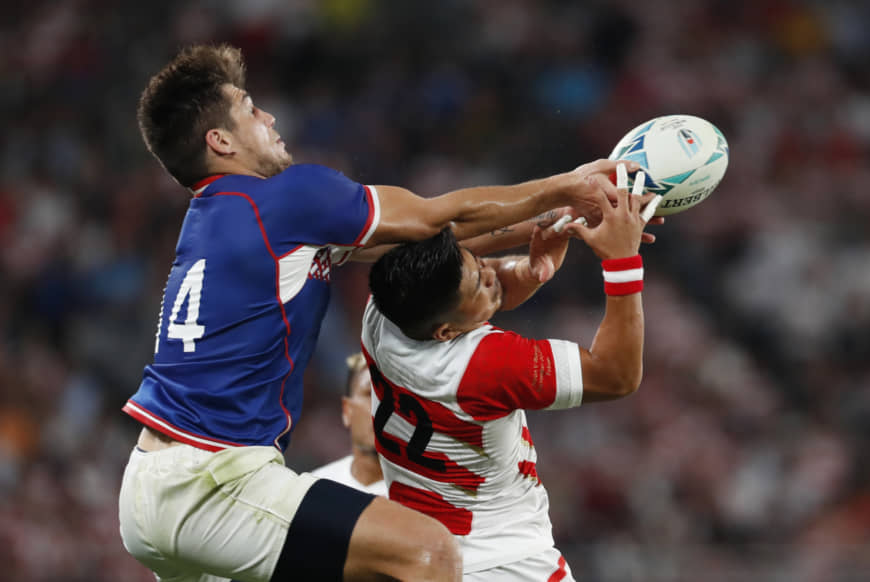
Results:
<point x="357" y="412"/>
<point x="257" y="144"/>
<point x="480" y="294"/>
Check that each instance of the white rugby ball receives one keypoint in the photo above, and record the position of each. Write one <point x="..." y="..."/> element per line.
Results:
<point x="684" y="158"/>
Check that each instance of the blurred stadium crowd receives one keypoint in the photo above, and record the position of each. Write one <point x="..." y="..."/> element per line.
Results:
<point x="746" y="453"/>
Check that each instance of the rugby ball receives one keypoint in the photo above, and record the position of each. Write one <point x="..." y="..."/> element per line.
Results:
<point x="684" y="158"/>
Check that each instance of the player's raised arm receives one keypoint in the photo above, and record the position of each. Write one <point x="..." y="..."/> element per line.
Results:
<point x="515" y="235"/>
<point x="613" y="364"/>
<point x="500" y="239"/>
<point x="474" y="211"/>
<point x="522" y="276"/>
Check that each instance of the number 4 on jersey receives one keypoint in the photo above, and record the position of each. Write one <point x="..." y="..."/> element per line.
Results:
<point x="191" y="291"/>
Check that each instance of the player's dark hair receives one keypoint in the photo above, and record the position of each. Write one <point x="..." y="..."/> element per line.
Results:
<point x="183" y="101"/>
<point x="416" y="284"/>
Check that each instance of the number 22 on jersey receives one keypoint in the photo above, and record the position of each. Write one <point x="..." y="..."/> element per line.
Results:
<point x="190" y="292"/>
<point x="426" y="420"/>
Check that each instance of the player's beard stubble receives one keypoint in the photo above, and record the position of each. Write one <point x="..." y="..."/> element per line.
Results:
<point x="273" y="166"/>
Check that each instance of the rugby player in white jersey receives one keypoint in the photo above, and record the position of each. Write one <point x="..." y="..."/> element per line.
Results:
<point x="450" y="389"/>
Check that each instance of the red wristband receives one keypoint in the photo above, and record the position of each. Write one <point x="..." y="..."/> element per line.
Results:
<point x="623" y="276"/>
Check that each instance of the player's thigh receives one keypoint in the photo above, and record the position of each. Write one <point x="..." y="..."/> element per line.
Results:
<point x="403" y="544"/>
<point x="238" y="530"/>
<point x="188" y="514"/>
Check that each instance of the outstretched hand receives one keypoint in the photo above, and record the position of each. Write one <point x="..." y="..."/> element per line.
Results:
<point x="546" y="253"/>
<point x="620" y="230"/>
<point x="595" y="179"/>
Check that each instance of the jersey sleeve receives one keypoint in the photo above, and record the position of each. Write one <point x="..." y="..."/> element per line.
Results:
<point x="315" y="205"/>
<point x="508" y="372"/>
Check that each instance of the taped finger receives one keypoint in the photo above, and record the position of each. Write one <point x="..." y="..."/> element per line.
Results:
<point x="621" y="177"/>
<point x="639" y="183"/>
<point x="647" y="213"/>
<point x="560" y="224"/>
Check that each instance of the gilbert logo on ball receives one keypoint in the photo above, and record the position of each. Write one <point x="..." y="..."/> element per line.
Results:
<point x="684" y="158"/>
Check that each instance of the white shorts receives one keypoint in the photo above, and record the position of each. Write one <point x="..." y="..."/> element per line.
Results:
<point x="193" y="515"/>
<point x="548" y="566"/>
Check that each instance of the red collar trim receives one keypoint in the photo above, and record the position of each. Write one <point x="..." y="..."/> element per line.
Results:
<point x="200" y="186"/>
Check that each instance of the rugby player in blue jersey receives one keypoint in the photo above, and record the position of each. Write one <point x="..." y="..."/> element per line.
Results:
<point x="206" y="494"/>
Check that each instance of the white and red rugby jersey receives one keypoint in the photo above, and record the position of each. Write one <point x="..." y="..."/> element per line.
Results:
<point x="452" y="436"/>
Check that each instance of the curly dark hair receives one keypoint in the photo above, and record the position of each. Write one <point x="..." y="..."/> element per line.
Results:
<point x="183" y="101"/>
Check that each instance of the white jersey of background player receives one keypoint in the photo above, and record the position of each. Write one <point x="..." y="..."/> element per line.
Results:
<point x="450" y="389"/>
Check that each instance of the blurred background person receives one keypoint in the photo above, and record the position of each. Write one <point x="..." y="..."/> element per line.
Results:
<point x="360" y="469"/>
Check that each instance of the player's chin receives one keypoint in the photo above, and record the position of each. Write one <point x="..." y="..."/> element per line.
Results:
<point x="283" y="162"/>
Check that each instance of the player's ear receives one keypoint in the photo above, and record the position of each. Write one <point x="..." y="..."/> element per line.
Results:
<point x="219" y="141"/>
<point x="345" y="411"/>
<point x="445" y="332"/>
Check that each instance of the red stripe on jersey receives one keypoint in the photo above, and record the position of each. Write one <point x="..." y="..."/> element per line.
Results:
<point x="529" y="469"/>
<point x="427" y="418"/>
<point x="527" y="436"/>
<point x="507" y="372"/>
<point x="205" y="182"/>
<point x="436" y="466"/>
<point x="268" y="248"/>
<point x="159" y="424"/>
<point x="456" y="519"/>
<point x="365" y="230"/>
<point x="561" y="572"/>
<point x="287" y="414"/>
<point x="443" y="420"/>
<point x="277" y="298"/>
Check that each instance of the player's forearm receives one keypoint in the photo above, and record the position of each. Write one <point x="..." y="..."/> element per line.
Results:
<point x="481" y="210"/>
<point x="470" y="212"/>
<point x="615" y="363"/>
<point x="512" y="236"/>
<point x="494" y="241"/>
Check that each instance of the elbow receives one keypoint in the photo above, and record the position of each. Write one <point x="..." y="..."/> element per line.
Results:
<point x="629" y="388"/>
<point x="426" y="228"/>
<point x="610" y="382"/>
<point x="410" y="231"/>
<point x="626" y="381"/>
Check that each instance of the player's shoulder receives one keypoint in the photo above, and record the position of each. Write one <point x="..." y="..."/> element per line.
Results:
<point x="304" y="175"/>
<point x="430" y="368"/>
<point x="380" y="331"/>
<point x="299" y="177"/>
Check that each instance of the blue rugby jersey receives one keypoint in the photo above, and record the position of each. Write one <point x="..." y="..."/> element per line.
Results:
<point x="244" y="301"/>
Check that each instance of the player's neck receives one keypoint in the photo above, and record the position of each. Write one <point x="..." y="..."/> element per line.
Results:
<point x="365" y="467"/>
<point x="230" y="165"/>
